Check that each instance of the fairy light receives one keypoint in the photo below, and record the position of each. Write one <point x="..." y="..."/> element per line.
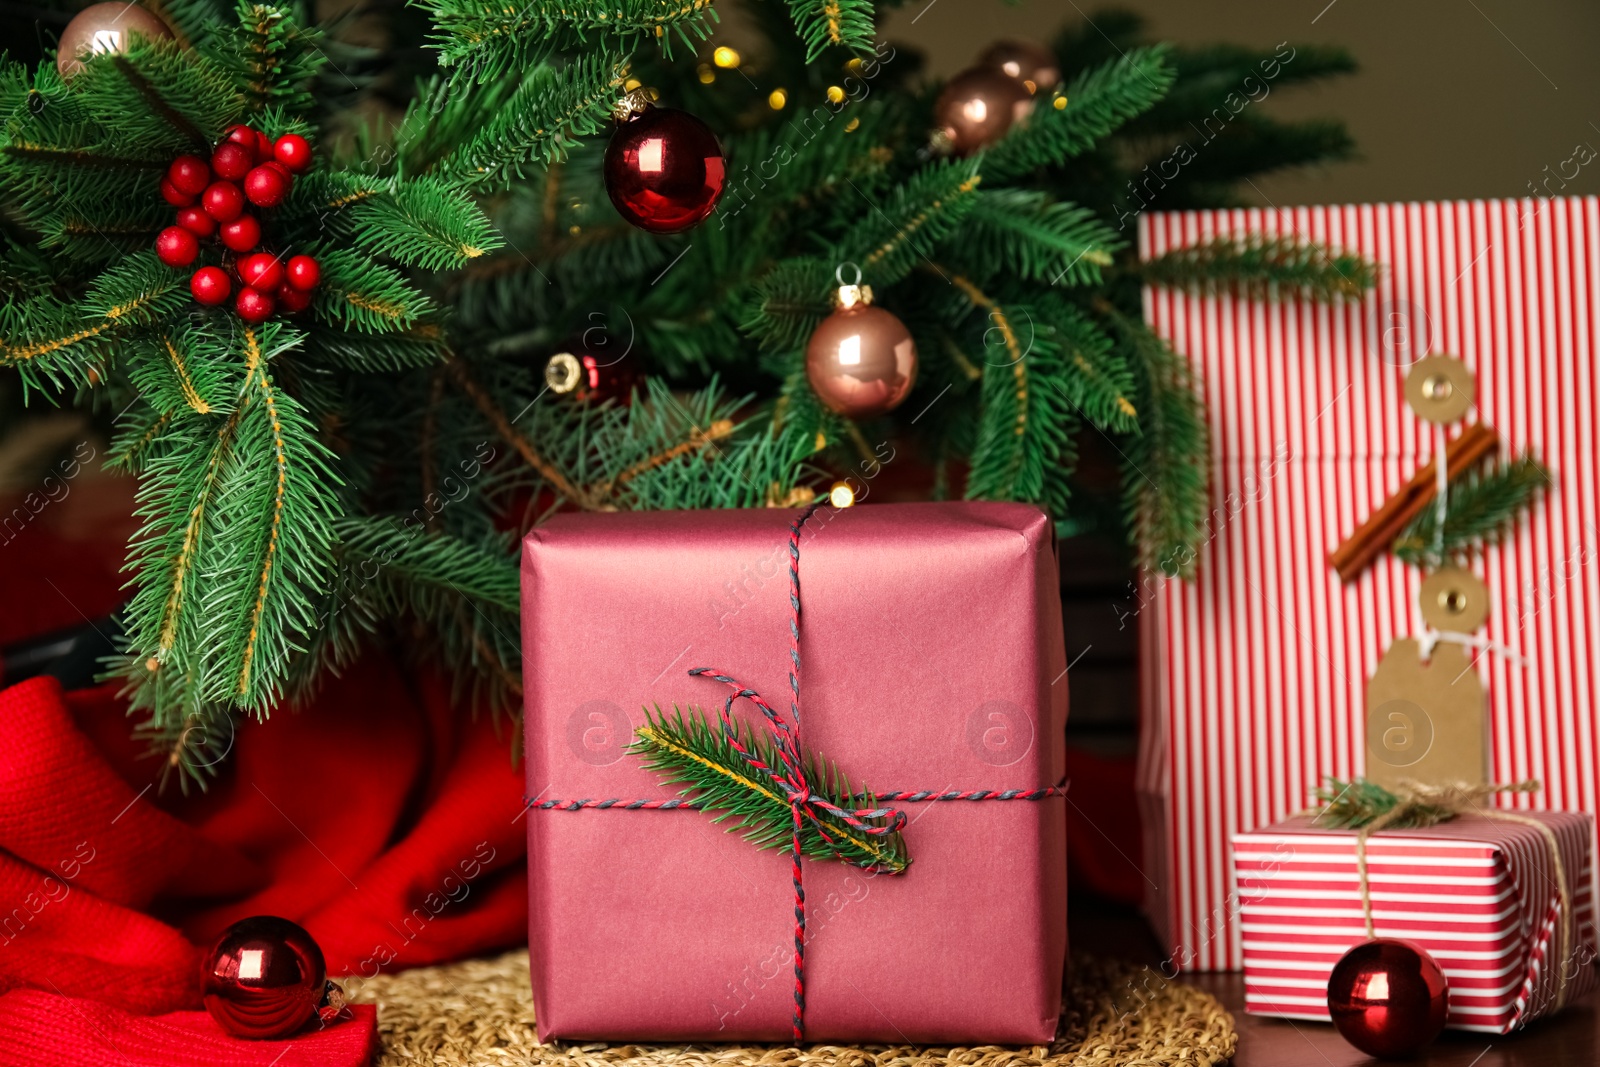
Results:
<point x="841" y="495"/>
<point x="705" y="74"/>
<point x="835" y="94"/>
<point x="726" y="58"/>
<point x="777" y="99"/>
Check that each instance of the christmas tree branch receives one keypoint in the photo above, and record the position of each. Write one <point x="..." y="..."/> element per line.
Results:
<point x="158" y="104"/>
<point x="1263" y="268"/>
<point x="508" y="433"/>
<point x="693" y="752"/>
<point x="1481" y="508"/>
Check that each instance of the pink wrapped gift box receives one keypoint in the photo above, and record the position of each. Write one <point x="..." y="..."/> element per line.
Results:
<point x="933" y="660"/>
<point x="1481" y="895"/>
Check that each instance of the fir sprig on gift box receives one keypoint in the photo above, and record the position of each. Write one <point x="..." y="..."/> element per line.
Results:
<point x="1358" y="802"/>
<point x="693" y="752"/>
<point x="1482" y="507"/>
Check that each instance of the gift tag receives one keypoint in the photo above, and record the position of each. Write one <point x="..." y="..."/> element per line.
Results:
<point x="1425" y="720"/>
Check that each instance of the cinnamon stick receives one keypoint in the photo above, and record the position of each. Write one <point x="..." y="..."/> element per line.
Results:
<point x="1379" y="531"/>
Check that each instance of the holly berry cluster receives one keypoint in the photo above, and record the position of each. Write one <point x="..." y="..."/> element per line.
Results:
<point x="211" y="201"/>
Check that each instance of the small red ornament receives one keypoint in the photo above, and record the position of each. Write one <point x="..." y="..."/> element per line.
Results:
<point x="231" y="161"/>
<point x="196" y="221"/>
<point x="244" y="137"/>
<point x="861" y="360"/>
<point x="261" y="271"/>
<point x="210" y="285"/>
<point x="242" y="234"/>
<point x="189" y="174"/>
<point x="263" y="147"/>
<point x="293" y="300"/>
<point x="294" y="152"/>
<point x="303" y="272"/>
<point x="664" y="169"/>
<point x="265" y="976"/>
<point x="176" y="246"/>
<point x="173" y="195"/>
<point x="253" y="305"/>
<point x="978" y="107"/>
<point x="266" y="185"/>
<point x="590" y="375"/>
<point x="1388" y="998"/>
<point x="223" y="201"/>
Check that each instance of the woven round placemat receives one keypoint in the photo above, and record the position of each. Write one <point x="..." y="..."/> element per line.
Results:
<point x="480" y="1012"/>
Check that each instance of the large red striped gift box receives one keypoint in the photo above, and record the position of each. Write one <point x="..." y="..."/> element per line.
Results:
<point x="1482" y="896"/>
<point x="1254" y="673"/>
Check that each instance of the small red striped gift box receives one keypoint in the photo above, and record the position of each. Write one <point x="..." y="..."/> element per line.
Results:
<point x="1483" y="896"/>
<point x="1254" y="674"/>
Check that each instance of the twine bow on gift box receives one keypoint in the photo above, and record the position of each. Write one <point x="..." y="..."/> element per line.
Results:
<point x="1369" y="808"/>
<point x="762" y="782"/>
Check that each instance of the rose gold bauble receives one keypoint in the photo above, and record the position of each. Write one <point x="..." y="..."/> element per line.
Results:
<point x="105" y="28"/>
<point x="861" y="361"/>
<point x="1388" y="998"/>
<point x="978" y="107"/>
<point x="1034" y="65"/>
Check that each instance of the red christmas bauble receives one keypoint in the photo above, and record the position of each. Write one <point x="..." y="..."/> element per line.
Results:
<point x="253" y="305"/>
<point x="265" y="976"/>
<point x="173" y="195"/>
<point x="861" y="361"/>
<point x="293" y="300"/>
<point x="261" y="271"/>
<point x="197" y="221"/>
<point x="242" y="234"/>
<point x="590" y="375"/>
<point x="664" y="170"/>
<point x="190" y="174"/>
<point x="210" y="285"/>
<point x="223" y="201"/>
<point x="1388" y="998"/>
<point x="303" y="272"/>
<point x="176" y="246"/>
<point x="245" y="138"/>
<point x="231" y="161"/>
<point x="294" y="152"/>
<point x="266" y="185"/>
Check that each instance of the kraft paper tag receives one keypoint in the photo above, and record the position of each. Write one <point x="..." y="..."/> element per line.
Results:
<point x="1426" y="721"/>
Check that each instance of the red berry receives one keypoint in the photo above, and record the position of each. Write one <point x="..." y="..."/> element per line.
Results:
<point x="173" y="195"/>
<point x="232" y="161"/>
<point x="303" y="272"/>
<point x="223" y="201"/>
<point x="253" y="305"/>
<point x="273" y="164"/>
<point x="210" y="285"/>
<point x="265" y="186"/>
<point x="245" y="138"/>
<point x="293" y="300"/>
<point x="189" y="174"/>
<point x="261" y="271"/>
<point x="176" y="246"/>
<point x="293" y="151"/>
<point x="263" y="147"/>
<point x="242" y="234"/>
<point x="196" y="221"/>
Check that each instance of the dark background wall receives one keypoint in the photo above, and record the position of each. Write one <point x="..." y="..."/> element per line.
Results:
<point x="1455" y="98"/>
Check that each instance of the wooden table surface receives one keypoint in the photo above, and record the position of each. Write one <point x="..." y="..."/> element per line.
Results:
<point x="1566" y="1040"/>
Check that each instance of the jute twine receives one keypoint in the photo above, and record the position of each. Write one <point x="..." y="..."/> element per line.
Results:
<point x="481" y="1012"/>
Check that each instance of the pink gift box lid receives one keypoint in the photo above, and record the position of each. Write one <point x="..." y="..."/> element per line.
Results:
<point x="932" y="659"/>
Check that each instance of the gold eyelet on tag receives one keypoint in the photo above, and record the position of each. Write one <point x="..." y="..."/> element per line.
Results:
<point x="1440" y="388"/>
<point x="1454" y="599"/>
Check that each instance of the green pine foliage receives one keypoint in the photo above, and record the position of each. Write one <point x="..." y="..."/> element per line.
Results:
<point x="692" y="751"/>
<point x="1358" y="802"/>
<point x="360" y="473"/>
<point x="1483" y="505"/>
